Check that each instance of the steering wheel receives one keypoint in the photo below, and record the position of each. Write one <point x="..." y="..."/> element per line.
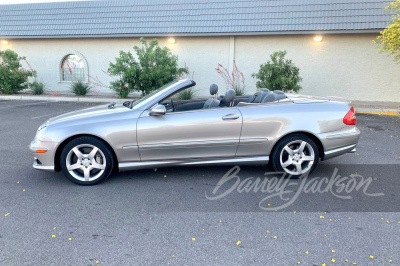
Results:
<point x="171" y="103"/>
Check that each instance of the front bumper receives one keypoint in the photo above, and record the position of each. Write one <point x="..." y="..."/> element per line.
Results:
<point x="341" y="142"/>
<point x="43" y="153"/>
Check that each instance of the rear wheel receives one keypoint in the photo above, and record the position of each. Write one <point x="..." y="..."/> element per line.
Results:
<point x="86" y="161"/>
<point x="296" y="155"/>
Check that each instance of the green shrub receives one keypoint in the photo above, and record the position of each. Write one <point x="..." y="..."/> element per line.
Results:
<point x="186" y="94"/>
<point x="13" y="78"/>
<point x="154" y="68"/>
<point x="37" y="87"/>
<point x="79" y="88"/>
<point x="279" y="74"/>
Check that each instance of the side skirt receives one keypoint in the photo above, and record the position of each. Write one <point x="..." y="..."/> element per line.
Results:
<point x="220" y="161"/>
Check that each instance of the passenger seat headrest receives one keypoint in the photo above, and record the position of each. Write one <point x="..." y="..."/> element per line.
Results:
<point x="264" y="89"/>
<point x="229" y="95"/>
<point x="278" y="92"/>
<point x="213" y="89"/>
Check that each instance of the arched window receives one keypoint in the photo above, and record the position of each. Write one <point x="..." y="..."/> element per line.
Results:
<point x="73" y="68"/>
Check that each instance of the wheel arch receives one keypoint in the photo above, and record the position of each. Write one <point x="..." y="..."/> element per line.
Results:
<point x="313" y="137"/>
<point x="57" y="155"/>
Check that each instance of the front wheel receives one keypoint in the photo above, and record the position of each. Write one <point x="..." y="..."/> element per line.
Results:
<point x="86" y="161"/>
<point x="296" y="155"/>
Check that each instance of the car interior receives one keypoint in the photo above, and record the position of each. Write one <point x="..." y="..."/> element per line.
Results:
<point x="229" y="99"/>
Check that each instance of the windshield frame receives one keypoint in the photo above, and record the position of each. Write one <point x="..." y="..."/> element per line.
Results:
<point x="151" y="99"/>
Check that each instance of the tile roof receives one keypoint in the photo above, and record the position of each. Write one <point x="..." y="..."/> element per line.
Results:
<point x="191" y="17"/>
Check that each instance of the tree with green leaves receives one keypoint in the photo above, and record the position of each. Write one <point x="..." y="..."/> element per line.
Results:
<point x="13" y="78"/>
<point x="278" y="74"/>
<point x="389" y="39"/>
<point x="153" y="68"/>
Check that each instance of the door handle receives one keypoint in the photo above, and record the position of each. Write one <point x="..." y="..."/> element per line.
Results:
<point x="230" y="117"/>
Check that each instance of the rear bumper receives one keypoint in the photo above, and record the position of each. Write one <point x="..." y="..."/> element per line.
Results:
<point x="45" y="160"/>
<point x="341" y="142"/>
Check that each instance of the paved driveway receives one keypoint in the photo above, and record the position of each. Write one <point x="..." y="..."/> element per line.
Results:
<point x="172" y="216"/>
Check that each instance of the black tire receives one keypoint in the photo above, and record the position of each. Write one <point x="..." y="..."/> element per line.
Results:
<point x="307" y="160"/>
<point x="99" y="165"/>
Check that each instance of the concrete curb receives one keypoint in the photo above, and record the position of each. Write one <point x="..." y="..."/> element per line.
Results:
<point x="62" y="99"/>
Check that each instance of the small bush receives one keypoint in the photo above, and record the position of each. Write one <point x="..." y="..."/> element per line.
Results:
<point x="79" y="88"/>
<point x="37" y="87"/>
<point x="13" y="78"/>
<point x="278" y="74"/>
<point x="187" y="94"/>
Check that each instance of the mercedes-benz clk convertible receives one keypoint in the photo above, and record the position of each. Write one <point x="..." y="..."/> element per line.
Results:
<point x="291" y="132"/>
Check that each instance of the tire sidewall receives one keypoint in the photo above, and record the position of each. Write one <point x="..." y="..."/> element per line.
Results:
<point x="275" y="155"/>
<point x="92" y="141"/>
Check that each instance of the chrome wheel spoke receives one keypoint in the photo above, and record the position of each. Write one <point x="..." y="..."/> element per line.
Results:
<point x="288" y="150"/>
<point x="74" y="166"/>
<point x="298" y="168"/>
<point x="287" y="163"/>
<point x="93" y="153"/>
<point x="86" y="172"/>
<point x="78" y="153"/>
<point x="98" y="166"/>
<point x="302" y="146"/>
<point x="308" y="158"/>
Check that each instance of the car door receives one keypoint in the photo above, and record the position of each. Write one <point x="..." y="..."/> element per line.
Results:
<point x="199" y="134"/>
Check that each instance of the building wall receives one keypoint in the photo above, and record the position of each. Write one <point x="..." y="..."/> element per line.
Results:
<point x="341" y="65"/>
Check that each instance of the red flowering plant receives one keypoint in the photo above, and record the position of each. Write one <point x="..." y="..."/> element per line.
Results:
<point x="234" y="80"/>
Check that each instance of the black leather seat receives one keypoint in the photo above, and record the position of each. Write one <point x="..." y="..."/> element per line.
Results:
<point x="212" y="102"/>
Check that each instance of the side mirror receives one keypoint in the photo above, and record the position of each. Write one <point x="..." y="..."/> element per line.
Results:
<point x="158" y="110"/>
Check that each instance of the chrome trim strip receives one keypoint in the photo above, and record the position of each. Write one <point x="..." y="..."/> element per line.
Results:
<point x="254" y="140"/>
<point x="340" y="149"/>
<point x="353" y="150"/>
<point x="150" y="164"/>
<point x="342" y="135"/>
<point x="189" y="144"/>
<point x="132" y="147"/>
<point x="238" y="160"/>
<point x="43" y="168"/>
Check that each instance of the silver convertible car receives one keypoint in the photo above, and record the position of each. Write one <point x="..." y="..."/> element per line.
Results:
<point x="292" y="132"/>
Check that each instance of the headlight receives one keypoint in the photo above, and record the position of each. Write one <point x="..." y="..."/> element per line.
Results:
<point x="40" y="131"/>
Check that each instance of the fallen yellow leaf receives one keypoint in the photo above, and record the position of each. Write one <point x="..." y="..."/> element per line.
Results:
<point x="306" y="252"/>
<point x="69" y="239"/>
<point x="193" y="239"/>
<point x="53" y="236"/>
<point x="333" y="260"/>
<point x="5" y="215"/>
<point x="322" y="217"/>
<point x="371" y="256"/>
<point x="275" y="237"/>
<point x="333" y="251"/>
<point x="238" y="243"/>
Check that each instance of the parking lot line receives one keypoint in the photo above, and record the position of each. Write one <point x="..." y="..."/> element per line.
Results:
<point x="393" y="113"/>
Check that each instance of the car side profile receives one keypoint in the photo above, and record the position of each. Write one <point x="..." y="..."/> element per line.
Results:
<point x="292" y="132"/>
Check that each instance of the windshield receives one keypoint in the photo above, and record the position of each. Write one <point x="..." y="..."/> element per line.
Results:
<point x="145" y="97"/>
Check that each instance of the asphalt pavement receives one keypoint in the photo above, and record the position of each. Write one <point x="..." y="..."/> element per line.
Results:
<point x="179" y="216"/>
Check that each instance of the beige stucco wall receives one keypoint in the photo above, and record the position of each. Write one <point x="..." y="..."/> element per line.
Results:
<point x="340" y="65"/>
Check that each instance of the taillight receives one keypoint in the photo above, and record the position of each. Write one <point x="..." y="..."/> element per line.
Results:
<point x="350" y="117"/>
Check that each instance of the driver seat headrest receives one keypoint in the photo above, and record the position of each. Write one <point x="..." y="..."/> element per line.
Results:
<point x="213" y="89"/>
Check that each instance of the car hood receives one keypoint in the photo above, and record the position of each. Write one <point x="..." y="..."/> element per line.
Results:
<point x="88" y="113"/>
